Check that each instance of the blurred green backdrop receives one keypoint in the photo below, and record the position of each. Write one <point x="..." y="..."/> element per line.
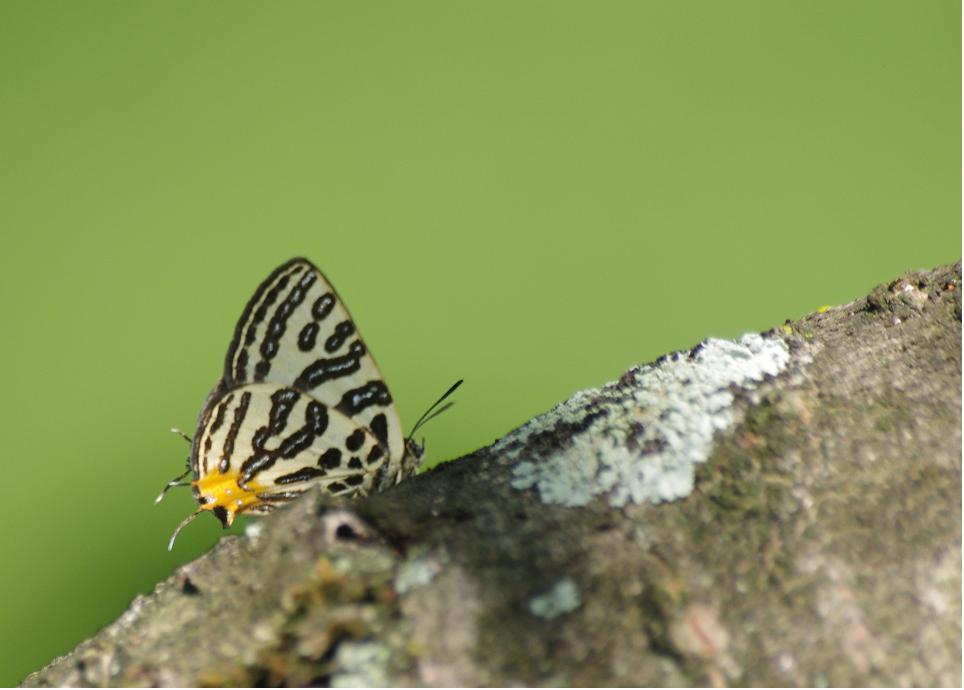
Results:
<point x="532" y="196"/>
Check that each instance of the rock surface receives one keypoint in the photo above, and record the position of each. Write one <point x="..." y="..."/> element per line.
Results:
<point x="723" y="516"/>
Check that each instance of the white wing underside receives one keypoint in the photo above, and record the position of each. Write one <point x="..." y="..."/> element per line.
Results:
<point x="280" y="440"/>
<point x="296" y="357"/>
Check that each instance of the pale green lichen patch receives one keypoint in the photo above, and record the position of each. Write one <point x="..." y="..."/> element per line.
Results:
<point x="415" y="573"/>
<point x="361" y="665"/>
<point x="639" y="439"/>
<point x="562" y="598"/>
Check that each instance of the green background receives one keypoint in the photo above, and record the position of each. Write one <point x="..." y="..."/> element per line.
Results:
<point x="530" y="195"/>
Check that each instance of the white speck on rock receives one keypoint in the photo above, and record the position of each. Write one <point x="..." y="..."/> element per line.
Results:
<point x="415" y="573"/>
<point x="785" y="662"/>
<point x="562" y="598"/>
<point x="640" y="438"/>
<point x="361" y="665"/>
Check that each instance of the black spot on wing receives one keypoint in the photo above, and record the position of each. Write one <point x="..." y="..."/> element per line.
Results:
<point x="308" y="336"/>
<point x="379" y="427"/>
<point x="323" y="306"/>
<point x="304" y="474"/>
<point x="374" y="454"/>
<point x="330" y="459"/>
<point x="355" y="440"/>
<point x="260" y="460"/>
<point x="358" y="399"/>
<point x="355" y="479"/>
<point x="355" y="464"/>
<point x="343" y="331"/>
<point x="328" y="369"/>
<point x="282" y="402"/>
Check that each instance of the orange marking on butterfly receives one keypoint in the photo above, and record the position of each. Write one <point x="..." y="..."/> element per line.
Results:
<point x="224" y="491"/>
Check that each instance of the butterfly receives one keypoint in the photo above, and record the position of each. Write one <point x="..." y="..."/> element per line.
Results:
<point x="300" y="403"/>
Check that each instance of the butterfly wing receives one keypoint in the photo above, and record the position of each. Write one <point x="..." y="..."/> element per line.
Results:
<point x="301" y="402"/>
<point x="262" y="443"/>
<point x="296" y="332"/>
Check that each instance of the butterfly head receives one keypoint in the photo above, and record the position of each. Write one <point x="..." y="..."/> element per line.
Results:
<point x="412" y="458"/>
<point x="412" y="447"/>
<point x="226" y="496"/>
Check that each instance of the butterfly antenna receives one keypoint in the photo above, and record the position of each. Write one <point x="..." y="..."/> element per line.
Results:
<point x="435" y="414"/>
<point x="184" y="523"/>
<point x="175" y="430"/>
<point x="428" y="413"/>
<point x="174" y="482"/>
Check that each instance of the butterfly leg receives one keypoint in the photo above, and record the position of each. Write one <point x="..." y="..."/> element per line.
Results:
<point x="175" y="482"/>
<point x="184" y="523"/>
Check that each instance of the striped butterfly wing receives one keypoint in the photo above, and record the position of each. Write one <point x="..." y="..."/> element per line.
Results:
<point x="296" y="332"/>
<point x="301" y="402"/>
<point x="265" y="443"/>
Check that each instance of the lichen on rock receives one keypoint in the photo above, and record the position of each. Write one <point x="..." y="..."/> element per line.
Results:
<point x="647" y="431"/>
<point x="561" y="598"/>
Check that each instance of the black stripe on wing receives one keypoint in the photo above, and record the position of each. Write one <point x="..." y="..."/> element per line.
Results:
<point x="330" y="368"/>
<point x="255" y="312"/>
<point x="314" y="426"/>
<point x="296" y="307"/>
<point x="279" y="323"/>
<point x="227" y="449"/>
